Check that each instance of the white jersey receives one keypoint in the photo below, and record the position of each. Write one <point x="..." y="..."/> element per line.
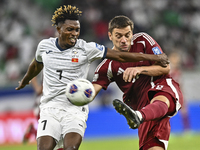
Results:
<point x="62" y="66"/>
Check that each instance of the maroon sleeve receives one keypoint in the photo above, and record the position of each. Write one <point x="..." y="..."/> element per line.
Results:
<point x="101" y="75"/>
<point x="151" y="46"/>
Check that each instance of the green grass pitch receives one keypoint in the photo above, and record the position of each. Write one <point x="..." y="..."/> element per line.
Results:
<point x="177" y="142"/>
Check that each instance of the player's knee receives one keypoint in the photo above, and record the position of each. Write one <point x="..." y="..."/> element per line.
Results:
<point x="45" y="145"/>
<point x="161" y="98"/>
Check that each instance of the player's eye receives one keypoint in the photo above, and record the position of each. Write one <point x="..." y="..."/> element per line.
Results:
<point x="69" y="29"/>
<point x="127" y="35"/>
<point x="78" y="30"/>
<point x="118" y="36"/>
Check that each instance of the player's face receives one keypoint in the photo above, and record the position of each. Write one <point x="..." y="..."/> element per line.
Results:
<point x="121" y="38"/>
<point x="68" y="32"/>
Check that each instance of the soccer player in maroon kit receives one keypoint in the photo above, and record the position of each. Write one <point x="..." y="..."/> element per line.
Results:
<point x="150" y="95"/>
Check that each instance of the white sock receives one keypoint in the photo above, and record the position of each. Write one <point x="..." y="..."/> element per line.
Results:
<point x="139" y="115"/>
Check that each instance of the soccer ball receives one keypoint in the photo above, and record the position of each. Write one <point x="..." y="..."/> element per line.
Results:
<point x="80" y="92"/>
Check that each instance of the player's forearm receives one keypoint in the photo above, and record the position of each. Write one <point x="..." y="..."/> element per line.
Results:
<point x="135" y="57"/>
<point x="33" y="70"/>
<point x="154" y="70"/>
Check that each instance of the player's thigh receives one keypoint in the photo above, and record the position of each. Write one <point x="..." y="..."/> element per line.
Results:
<point x="48" y="125"/>
<point x="45" y="143"/>
<point x="74" y="122"/>
<point x="156" y="148"/>
<point x="72" y="140"/>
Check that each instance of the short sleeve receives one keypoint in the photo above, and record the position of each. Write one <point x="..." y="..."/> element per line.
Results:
<point x="152" y="47"/>
<point x="95" y="51"/>
<point x="103" y="75"/>
<point x="38" y="54"/>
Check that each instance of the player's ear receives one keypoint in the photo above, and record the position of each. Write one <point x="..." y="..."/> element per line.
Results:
<point x="58" y="29"/>
<point x="110" y="36"/>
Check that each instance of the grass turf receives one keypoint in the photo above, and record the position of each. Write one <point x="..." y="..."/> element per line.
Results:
<point x="177" y="142"/>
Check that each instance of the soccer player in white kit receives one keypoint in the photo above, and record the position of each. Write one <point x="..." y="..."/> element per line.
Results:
<point x="64" y="59"/>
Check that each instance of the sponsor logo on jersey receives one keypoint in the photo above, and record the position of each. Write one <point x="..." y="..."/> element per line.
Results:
<point x="120" y="71"/>
<point x="47" y="52"/>
<point x="80" y="125"/>
<point x="74" y="52"/>
<point x="100" y="47"/>
<point x="156" y="50"/>
<point x="159" y="87"/>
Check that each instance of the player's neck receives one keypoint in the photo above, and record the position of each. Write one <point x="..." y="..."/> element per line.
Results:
<point x="64" y="45"/>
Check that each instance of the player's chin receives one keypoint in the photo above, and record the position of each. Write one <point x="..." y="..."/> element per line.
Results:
<point x="124" y="49"/>
<point x="71" y="43"/>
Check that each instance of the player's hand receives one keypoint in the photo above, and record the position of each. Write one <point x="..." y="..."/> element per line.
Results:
<point x="22" y="85"/>
<point x="163" y="60"/>
<point x="131" y="74"/>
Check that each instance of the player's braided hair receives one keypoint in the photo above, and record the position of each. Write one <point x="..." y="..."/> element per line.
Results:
<point x="120" y="22"/>
<point x="65" y="12"/>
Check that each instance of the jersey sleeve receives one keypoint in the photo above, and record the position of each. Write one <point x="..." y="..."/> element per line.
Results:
<point x="95" y="51"/>
<point x="151" y="46"/>
<point x="39" y="51"/>
<point x="102" y="74"/>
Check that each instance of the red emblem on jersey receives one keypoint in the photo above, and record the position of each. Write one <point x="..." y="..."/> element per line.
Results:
<point x="74" y="59"/>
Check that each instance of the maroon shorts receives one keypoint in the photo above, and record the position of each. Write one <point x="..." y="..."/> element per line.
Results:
<point x="153" y="142"/>
<point x="149" y="132"/>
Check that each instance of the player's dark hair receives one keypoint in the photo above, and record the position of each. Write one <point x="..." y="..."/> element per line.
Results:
<point x="65" y="12"/>
<point x="120" y="22"/>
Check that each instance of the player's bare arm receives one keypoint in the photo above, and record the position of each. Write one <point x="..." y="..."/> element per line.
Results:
<point x="33" y="70"/>
<point x="154" y="70"/>
<point x="97" y="88"/>
<point x="36" y="86"/>
<point x="162" y="59"/>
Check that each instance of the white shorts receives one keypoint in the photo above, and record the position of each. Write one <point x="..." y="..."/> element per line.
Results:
<point x="57" y="123"/>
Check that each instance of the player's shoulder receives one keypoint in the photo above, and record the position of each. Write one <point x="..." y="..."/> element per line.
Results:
<point x="142" y="36"/>
<point x="50" y="40"/>
<point x="80" y="43"/>
<point x="88" y="45"/>
<point x="104" y="64"/>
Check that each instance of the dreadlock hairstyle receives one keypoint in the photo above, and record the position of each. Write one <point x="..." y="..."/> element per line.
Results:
<point x="65" y="12"/>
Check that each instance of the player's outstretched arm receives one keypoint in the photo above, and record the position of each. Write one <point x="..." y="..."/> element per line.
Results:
<point x="33" y="70"/>
<point x="97" y="88"/>
<point x="154" y="70"/>
<point x="162" y="59"/>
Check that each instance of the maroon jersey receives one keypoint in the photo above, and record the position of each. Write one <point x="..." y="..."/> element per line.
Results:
<point x="138" y="94"/>
<point x="112" y="71"/>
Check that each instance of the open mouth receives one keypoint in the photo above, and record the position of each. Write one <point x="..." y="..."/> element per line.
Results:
<point x="72" y="40"/>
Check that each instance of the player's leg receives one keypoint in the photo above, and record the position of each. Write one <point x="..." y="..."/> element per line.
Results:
<point x="49" y="129"/>
<point x="152" y="111"/>
<point x="46" y="143"/>
<point x="73" y="127"/>
<point x="72" y="141"/>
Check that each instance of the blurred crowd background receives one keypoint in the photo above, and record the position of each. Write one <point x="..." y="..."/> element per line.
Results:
<point x="173" y="24"/>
